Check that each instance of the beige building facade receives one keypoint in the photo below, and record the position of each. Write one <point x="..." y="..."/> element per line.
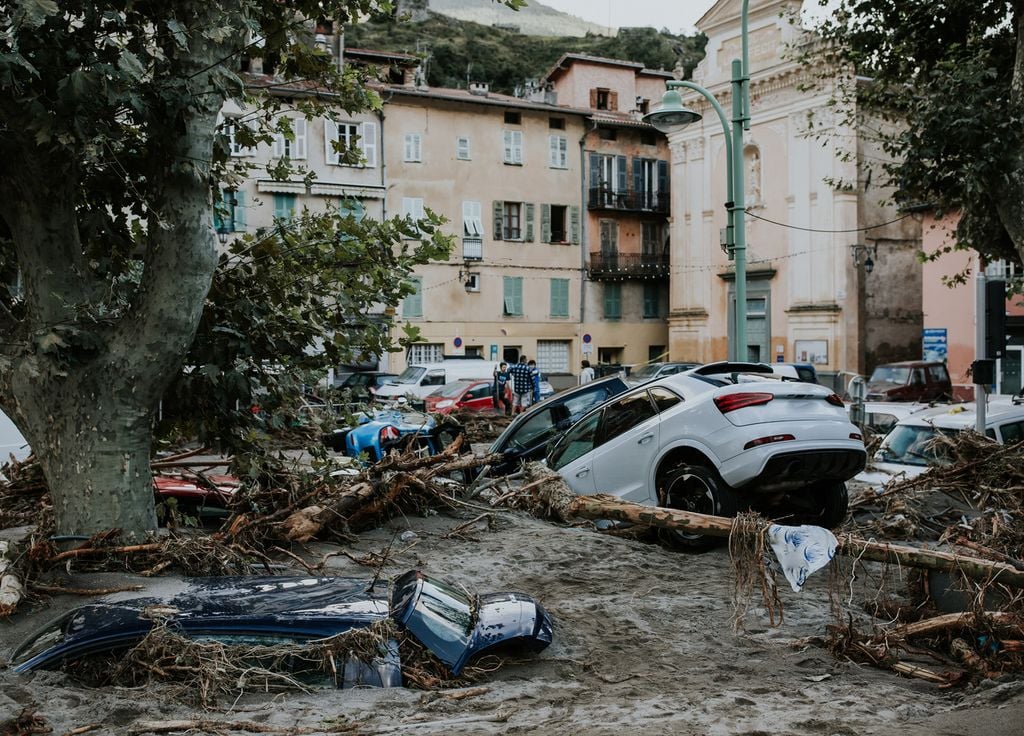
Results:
<point x="813" y="217"/>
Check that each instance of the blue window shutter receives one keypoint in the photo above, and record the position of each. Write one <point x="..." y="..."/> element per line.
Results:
<point x="413" y="304"/>
<point x="638" y="182"/>
<point x="612" y="301"/>
<point x="499" y="213"/>
<point x="284" y="206"/>
<point x="621" y="174"/>
<point x="528" y="237"/>
<point x="663" y="177"/>
<point x="595" y="171"/>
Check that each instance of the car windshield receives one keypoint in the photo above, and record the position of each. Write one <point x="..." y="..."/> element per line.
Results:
<point x="412" y="374"/>
<point x="646" y="371"/>
<point x="451" y="390"/>
<point x="914" y="445"/>
<point x="890" y="374"/>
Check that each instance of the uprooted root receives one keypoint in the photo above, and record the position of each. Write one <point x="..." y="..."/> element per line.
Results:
<point x="751" y="566"/>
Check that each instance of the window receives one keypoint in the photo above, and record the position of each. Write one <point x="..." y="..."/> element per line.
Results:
<point x="412" y="305"/>
<point x="472" y="231"/>
<point x="513" y="296"/>
<point x="412" y="208"/>
<point x="663" y="398"/>
<point x="607" y="178"/>
<point x="424" y="353"/>
<point x="553" y="222"/>
<point x="651" y="301"/>
<point x="559" y="297"/>
<point x="609" y="237"/>
<point x="293" y="145"/>
<point x="612" y="301"/>
<point x="650" y="238"/>
<point x="556" y="123"/>
<point x="603" y="99"/>
<point x="553" y="356"/>
<point x="650" y="182"/>
<point x="229" y="213"/>
<point x="472" y="282"/>
<point x="608" y="134"/>
<point x="938" y="373"/>
<point x="513" y="118"/>
<point x="558" y="152"/>
<point x="284" y="206"/>
<point x="648" y="138"/>
<point x="348" y="136"/>
<point x="412" y="147"/>
<point x="578" y="442"/>
<point x="1012" y="432"/>
<point x="511" y="221"/>
<point x="351" y="207"/>
<point x="462" y="148"/>
<point x="625" y="414"/>
<point x="513" y="147"/>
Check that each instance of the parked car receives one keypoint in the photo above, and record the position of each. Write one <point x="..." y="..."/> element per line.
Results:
<point x="715" y="438"/>
<point x="796" y="372"/>
<point x="363" y="384"/>
<point x="453" y="625"/>
<point x="529" y="435"/>
<point x="650" y="371"/>
<point x="909" y="448"/>
<point x="468" y="395"/>
<point x="912" y="380"/>
<point x="377" y="433"/>
<point x="417" y="381"/>
<point x="881" y="416"/>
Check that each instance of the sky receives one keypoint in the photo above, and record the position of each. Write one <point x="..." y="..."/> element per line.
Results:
<point x="676" y="15"/>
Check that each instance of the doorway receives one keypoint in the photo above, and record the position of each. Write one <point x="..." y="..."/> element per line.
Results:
<point x="510" y="353"/>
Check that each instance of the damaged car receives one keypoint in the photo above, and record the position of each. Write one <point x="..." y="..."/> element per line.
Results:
<point x="374" y="435"/>
<point x="453" y="625"/>
<point x="716" y="439"/>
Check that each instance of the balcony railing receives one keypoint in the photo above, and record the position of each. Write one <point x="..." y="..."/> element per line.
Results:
<point x="615" y="266"/>
<point x="472" y="249"/>
<point x="628" y="200"/>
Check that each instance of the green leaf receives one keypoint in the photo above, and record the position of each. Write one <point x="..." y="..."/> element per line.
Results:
<point x="33" y="13"/>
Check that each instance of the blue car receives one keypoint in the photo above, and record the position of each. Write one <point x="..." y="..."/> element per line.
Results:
<point x="454" y="626"/>
<point x="375" y="434"/>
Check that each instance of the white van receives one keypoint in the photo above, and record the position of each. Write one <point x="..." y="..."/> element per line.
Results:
<point x="11" y="441"/>
<point x="419" y="380"/>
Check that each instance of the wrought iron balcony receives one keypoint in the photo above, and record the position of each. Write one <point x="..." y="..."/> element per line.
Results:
<point x="628" y="200"/>
<point x="620" y="266"/>
<point x="472" y="249"/>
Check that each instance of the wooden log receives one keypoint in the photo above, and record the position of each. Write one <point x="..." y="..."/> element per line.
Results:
<point x="953" y="621"/>
<point x="564" y="505"/>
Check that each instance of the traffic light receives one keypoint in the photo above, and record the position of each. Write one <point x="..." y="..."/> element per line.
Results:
<point x="995" y="319"/>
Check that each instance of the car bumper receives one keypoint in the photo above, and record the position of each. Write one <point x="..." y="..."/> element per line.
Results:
<point x="793" y="464"/>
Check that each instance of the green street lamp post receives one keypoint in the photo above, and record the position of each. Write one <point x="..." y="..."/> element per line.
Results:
<point x="671" y="115"/>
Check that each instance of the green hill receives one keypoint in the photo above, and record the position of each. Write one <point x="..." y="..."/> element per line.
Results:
<point x="459" y="52"/>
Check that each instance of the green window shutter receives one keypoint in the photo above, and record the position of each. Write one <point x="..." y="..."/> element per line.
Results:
<point x="651" y="301"/>
<point x="284" y="206"/>
<point x="612" y="301"/>
<point x="499" y="213"/>
<point x="559" y="297"/>
<point x="545" y="223"/>
<point x="574" y="224"/>
<point x="512" y="294"/>
<point x="519" y="294"/>
<point x="412" y="306"/>
<point x="239" y="211"/>
<point x="220" y="211"/>
<point x="528" y="237"/>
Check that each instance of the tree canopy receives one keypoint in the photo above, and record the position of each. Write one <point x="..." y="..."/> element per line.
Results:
<point x="950" y="74"/>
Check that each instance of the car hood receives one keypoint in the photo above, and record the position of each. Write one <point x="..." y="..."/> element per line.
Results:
<point x="879" y="474"/>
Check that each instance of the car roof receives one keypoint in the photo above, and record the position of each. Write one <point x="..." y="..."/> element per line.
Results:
<point x="910" y="363"/>
<point x="963" y="416"/>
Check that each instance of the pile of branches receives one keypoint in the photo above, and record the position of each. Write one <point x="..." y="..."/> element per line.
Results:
<point x="482" y="426"/>
<point x="24" y="496"/>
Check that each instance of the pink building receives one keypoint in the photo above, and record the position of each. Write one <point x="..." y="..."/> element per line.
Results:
<point x="952" y="308"/>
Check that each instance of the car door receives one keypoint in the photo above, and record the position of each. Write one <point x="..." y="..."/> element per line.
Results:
<point x="628" y="443"/>
<point x="573" y="454"/>
<point x="478" y="398"/>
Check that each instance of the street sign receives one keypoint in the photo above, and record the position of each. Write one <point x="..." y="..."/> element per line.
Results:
<point x="586" y="338"/>
<point x="588" y="349"/>
<point x="935" y="343"/>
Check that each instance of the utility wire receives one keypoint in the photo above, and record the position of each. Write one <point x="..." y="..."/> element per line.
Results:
<point x="817" y="230"/>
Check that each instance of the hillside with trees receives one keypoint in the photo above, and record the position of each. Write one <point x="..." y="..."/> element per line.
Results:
<point x="458" y="52"/>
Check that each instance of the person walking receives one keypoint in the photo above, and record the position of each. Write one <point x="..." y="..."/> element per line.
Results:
<point x="522" y="385"/>
<point x="536" y="381"/>
<point x="500" y="389"/>
<point x="587" y="374"/>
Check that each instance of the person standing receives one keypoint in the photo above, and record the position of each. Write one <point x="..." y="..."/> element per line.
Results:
<point x="587" y="374"/>
<point x="536" y="381"/>
<point x="500" y="389"/>
<point x="522" y="385"/>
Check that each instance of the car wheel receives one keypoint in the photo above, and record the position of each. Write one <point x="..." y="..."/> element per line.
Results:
<point x="829" y="502"/>
<point x="700" y="490"/>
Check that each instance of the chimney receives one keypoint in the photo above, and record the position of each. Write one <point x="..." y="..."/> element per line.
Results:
<point x="478" y="88"/>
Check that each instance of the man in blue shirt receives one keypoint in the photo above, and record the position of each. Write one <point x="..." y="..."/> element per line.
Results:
<point x="522" y="385"/>
<point x="500" y="388"/>
<point x="536" y="381"/>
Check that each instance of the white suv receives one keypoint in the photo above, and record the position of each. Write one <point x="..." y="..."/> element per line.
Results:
<point x="715" y="438"/>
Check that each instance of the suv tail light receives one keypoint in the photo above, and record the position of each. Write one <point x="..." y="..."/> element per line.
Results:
<point x="768" y="440"/>
<point x="732" y="402"/>
<point x="834" y="399"/>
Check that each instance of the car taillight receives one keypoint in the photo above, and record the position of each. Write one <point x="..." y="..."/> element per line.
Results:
<point x="768" y="440"/>
<point x="732" y="402"/>
<point x="834" y="399"/>
<point x="856" y="436"/>
<point x="388" y="434"/>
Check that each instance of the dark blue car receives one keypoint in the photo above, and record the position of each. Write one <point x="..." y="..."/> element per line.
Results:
<point x="454" y="626"/>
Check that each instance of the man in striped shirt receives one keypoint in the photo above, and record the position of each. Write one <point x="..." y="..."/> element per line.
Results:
<point x="522" y="385"/>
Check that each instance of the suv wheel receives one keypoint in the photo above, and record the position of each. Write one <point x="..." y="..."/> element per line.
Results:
<point x="700" y="490"/>
<point x="830" y="502"/>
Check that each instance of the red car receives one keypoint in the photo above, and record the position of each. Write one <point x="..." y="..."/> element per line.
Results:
<point x="468" y="395"/>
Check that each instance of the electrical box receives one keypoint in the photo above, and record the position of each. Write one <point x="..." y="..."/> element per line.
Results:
<point x="995" y="320"/>
<point x="983" y="372"/>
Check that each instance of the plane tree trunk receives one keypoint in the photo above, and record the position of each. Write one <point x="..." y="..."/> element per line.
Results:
<point x="83" y="384"/>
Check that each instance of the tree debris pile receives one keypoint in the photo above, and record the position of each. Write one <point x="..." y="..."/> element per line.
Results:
<point x="482" y="426"/>
<point x="207" y="670"/>
<point x="24" y="497"/>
